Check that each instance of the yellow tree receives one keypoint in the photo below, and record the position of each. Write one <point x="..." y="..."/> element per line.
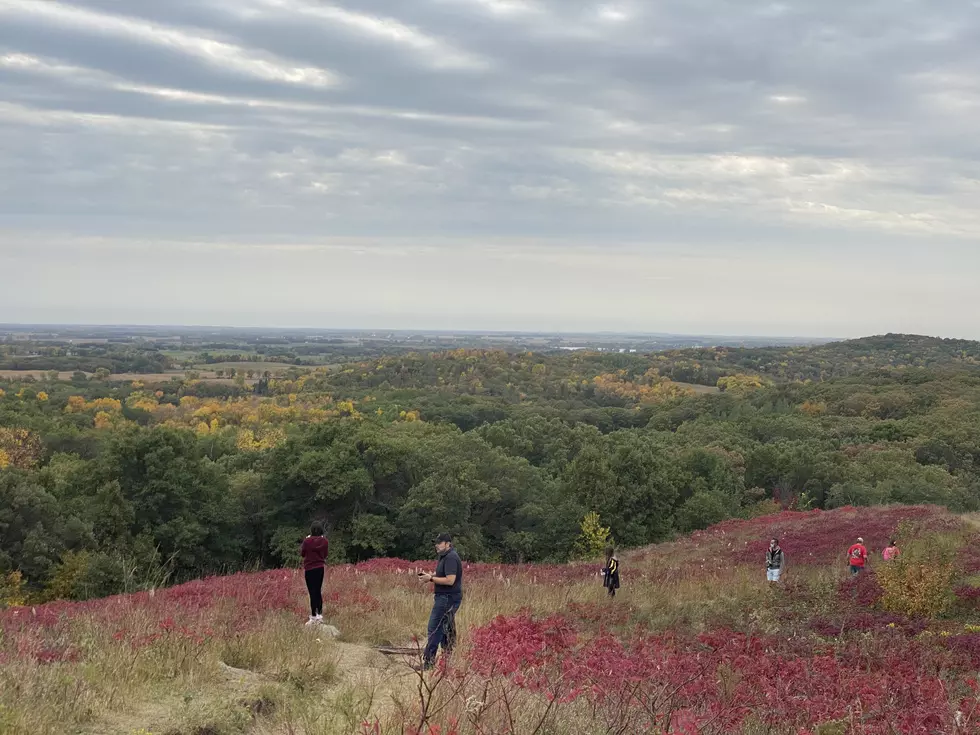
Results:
<point x="19" y="448"/>
<point x="740" y="384"/>
<point x="594" y="537"/>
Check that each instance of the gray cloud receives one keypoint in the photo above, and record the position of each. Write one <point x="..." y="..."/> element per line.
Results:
<point x="731" y="130"/>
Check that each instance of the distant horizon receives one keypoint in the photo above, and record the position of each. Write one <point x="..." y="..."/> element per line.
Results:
<point x="463" y="331"/>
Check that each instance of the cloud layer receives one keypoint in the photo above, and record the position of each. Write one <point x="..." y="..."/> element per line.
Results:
<point x="808" y="135"/>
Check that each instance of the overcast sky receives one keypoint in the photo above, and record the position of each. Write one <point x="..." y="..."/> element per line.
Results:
<point x="809" y="167"/>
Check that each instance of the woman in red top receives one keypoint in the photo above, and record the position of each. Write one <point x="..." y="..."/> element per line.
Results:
<point x="856" y="555"/>
<point x="314" y="553"/>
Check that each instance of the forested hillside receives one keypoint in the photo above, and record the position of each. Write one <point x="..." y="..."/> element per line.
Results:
<point x="109" y="486"/>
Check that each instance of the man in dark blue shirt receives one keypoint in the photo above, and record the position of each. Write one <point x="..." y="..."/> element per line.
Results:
<point x="448" y="582"/>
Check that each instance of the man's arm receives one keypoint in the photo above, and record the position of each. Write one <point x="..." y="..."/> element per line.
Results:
<point x="449" y="580"/>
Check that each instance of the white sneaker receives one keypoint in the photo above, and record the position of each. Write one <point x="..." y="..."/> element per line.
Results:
<point x="312" y="620"/>
<point x="319" y="618"/>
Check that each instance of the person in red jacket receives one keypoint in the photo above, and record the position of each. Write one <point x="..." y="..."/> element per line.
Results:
<point x="314" y="553"/>
<point x="857" y="555"/>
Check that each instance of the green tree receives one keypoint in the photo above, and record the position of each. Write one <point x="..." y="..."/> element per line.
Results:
<point x="593" y="537"/>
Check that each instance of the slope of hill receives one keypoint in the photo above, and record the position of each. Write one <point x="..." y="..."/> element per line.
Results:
<point x="106" y="486"/>
<point x="696" y="642"/>
<point x="820" y="362"/>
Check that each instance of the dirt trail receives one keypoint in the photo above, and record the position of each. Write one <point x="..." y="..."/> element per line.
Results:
<point x="369" y="684"/>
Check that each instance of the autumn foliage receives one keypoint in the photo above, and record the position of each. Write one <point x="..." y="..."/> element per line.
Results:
<point x="682" y="650"/>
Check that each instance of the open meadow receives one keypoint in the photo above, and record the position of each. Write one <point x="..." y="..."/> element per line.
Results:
<point x="696" y="642"/>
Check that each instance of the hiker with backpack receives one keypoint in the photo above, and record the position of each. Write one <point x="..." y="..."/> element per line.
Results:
<point x="314" y="553"/>
<point x="775" y="561"/>
<point x="857" y="555"/>
<point x="610" y="572"/>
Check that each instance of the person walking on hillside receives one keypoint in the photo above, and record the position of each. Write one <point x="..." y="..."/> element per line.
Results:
<point x="775" y="561"/>
<point x="610" y="572"/>
<point x="891" y="551"/>
<point x="857" y="555"/>
<point x="448" y="587"/>
<point x="314" y="553"/>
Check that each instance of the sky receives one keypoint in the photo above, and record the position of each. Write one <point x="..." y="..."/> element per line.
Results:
<point x="806" y="168"/>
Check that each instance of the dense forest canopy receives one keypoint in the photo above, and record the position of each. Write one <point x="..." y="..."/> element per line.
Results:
<point x="110" y="485"/>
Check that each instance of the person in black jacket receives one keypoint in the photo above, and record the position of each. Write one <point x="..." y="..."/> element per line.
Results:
<point x="610" y="572"/>
<point x="448" y="587"/>
<point x="775" y="561"/>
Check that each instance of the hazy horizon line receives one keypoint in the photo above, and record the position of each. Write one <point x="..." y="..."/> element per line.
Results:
<point x="467" y="331"/>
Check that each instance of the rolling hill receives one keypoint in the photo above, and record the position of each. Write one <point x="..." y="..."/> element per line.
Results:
<point x="696" y="642"/>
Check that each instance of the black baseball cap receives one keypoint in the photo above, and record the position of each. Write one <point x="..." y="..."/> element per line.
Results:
<point x="444" y="538"/>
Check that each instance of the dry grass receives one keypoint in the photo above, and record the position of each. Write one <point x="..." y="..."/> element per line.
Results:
<point x="305" y="683"/>
<point x="275" y="676"/>
<point x="176" y="685"/>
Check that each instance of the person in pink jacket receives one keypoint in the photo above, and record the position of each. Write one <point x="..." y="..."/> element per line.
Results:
<point x="891" y="551"/>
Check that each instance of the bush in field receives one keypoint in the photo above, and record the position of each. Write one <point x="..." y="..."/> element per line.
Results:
<point x="916" y="589"/>
<point x="919" y="582"/>
<point x="12" y="590"/>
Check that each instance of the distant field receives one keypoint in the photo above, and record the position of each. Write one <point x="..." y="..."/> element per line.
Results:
<point x="148" y="377"/>
<point x="272" y="367"/>
<point x="14" y="374"/>
<point x="700" y="388"/>
<point x="120" y="377"/>
<point x="185" y="355"/>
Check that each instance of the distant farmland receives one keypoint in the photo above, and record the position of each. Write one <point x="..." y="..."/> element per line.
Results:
<point x="700" y="388"/>
<point x="258" y="367"/>
<point x="206" y="375"/>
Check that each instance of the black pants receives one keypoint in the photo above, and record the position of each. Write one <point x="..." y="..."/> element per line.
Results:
<point x="314" y="583"/>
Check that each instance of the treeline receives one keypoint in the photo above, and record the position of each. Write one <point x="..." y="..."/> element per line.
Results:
<point x="502" y="373"/>
<point x="110" y="487"/>
<point x="85" y="358"/>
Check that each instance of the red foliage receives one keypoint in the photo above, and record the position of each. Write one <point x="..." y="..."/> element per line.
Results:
<point x="724" y="677"/>
<point x="818" y="537"/>
<point x="861" y="589"/>
<point x="186" y="612"/>
<point x="969" y="557"/>
<point x="968" y="596"/>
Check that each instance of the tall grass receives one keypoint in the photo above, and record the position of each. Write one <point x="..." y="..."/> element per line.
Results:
<point x="231" y="655"/>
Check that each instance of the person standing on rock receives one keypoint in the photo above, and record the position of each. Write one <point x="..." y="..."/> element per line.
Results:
<point x="857" y="555"/>
<point x="314" y="553"/>
<point x="775" y="561"/>
<point x="448" y="587"/>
